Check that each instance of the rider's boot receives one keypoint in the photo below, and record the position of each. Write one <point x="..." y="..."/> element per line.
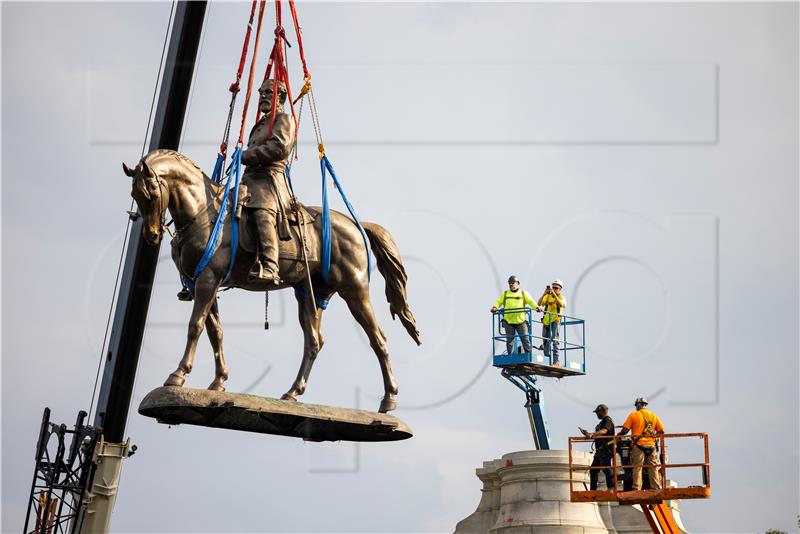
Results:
<point x="265" y="268"/>
<point x="270" y="271"/>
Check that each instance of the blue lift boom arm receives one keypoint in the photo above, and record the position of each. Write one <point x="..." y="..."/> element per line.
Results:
<point x="536" y="414"/>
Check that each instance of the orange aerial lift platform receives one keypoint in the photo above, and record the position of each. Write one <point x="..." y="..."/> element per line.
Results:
<point x="657" y="512"/>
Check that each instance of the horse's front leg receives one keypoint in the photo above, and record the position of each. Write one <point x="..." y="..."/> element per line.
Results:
<point x="214" y="331"/>
<point x="204" y="298"/>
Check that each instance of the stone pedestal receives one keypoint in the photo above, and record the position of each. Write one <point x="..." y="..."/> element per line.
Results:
<point x="528" y="492"/>
<point x="485" y="516"/>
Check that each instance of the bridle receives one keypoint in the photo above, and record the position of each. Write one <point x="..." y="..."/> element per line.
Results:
<point x="163" y="200"/>
<point x="163" y="204"/>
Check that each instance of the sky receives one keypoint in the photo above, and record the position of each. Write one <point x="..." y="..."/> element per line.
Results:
<point x="645" y="154"/>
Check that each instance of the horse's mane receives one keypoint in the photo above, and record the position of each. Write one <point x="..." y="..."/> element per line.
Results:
<point x="166" y="152"/>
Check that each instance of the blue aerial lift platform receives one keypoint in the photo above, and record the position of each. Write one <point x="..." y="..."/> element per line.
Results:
<point x="523" y="369"/>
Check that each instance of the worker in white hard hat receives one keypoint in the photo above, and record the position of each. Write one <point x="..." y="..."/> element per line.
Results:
<point x="553" y="303"/>
<point x="644" y="426"/>
<point x="515" y="319"/>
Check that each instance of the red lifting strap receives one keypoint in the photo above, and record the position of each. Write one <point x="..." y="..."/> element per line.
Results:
<point x="298" y="32"/>
<point x="235" y="85"/>
<point x="278" y="63"/>
<point x="252" y="71"/>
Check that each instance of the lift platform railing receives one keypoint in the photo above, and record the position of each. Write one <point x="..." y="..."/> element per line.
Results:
<point x="573" y="348"/>
<point x="619" y="443"/>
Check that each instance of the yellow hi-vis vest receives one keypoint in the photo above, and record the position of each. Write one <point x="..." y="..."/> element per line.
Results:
<point x="510" y="300"/>
<point x="549" y="305"/>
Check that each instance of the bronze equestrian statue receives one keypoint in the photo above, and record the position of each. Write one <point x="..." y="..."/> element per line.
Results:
<point x="167" y="180"/>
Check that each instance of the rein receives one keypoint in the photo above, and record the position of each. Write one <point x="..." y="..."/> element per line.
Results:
<point x="164" y="205"/>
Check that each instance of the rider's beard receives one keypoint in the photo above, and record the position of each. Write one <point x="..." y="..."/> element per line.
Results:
<point x="266" y="107"/>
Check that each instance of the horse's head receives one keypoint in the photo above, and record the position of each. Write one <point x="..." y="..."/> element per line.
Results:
<point x="152" y="196"/>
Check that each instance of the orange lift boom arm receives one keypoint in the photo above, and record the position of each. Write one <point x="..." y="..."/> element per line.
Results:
<point x="659" y="516"/>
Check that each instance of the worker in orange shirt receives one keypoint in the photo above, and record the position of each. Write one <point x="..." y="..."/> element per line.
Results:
<point x="644" y="425"/>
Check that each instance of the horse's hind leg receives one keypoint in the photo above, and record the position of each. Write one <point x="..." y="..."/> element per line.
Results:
<point x="214" y="331"/>
<point x="324" y="292"/>
<point x="312" y="342"/>
<point x="204" y="298"/>
<point x="361" y="308"/>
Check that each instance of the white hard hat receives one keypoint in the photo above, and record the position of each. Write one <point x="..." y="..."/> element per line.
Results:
<point x="640" y="400"/>
<point x="557" y="282"/>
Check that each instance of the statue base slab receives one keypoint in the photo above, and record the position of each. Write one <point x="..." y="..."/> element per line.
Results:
<point x="238" y="411"/>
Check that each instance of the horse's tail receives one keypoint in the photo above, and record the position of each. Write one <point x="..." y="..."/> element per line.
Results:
<point x="391" y="267"/>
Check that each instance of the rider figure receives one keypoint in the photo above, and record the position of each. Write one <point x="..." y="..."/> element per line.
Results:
<point x="265" y="177"/>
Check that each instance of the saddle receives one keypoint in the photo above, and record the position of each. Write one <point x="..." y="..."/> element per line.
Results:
<point x="287" y="250"/>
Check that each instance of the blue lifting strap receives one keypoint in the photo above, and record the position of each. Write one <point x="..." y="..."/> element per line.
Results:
<point x="236" y="162"/>
<point x="233" y="177"/>
<point x="216" y="176"/>
<point x="326" y="219"/>
<point x="300" y="291"/>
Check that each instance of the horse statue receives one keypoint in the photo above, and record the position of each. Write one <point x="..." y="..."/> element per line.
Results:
<point x="167" y="180"/>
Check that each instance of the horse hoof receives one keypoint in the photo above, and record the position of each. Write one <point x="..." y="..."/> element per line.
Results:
<point x="288" y="397"/>
<point x="216" y="386"/>
<point x="387" y="405"/>
<point x="175" y="380"/>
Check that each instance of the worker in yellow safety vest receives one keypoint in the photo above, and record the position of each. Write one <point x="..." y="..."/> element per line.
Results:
<point x="515" y="321"/>
<point x="644" y="426"/>
<point x="553" y="303"/>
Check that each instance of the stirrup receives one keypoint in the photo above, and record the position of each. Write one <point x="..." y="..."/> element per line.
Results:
<point x="256" y="271"/>
<point x="270" y="276"/>
<point x="259" y="273"/>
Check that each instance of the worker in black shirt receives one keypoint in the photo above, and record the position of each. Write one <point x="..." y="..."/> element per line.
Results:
<point x="603" y="447"/>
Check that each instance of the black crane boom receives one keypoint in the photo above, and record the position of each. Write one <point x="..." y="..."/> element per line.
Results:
<point x="139" y="270"/>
